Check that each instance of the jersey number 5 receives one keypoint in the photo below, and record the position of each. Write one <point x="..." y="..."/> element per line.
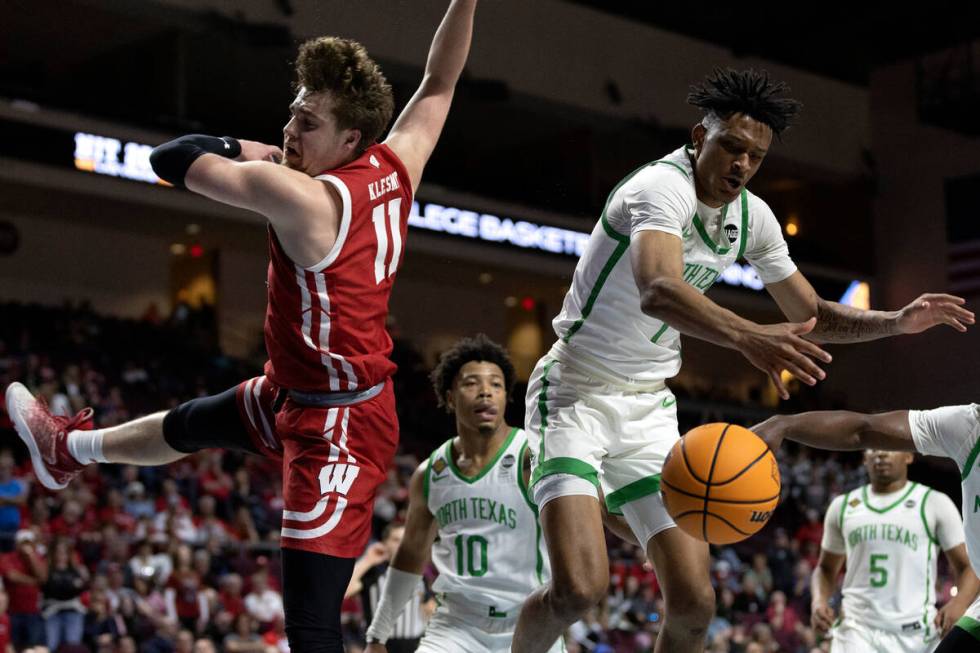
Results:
<point x="879" y="575"/>
<point x="382" y="227"/>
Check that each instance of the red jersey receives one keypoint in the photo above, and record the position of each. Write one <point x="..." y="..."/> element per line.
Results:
<point x="325" y="324"/>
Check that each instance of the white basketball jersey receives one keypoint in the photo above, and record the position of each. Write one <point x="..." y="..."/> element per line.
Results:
<point x="601" y="324"/>
<point x="489" y="550"/>
<point x="891" y="559"/>
<point x="954" y="432"/>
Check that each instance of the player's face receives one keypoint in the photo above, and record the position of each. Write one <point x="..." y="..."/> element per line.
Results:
<point x="312" y="141"/>
<point x="727" y="154"/>
<point x="886" y="466"/>
<point x="479" y="396"/>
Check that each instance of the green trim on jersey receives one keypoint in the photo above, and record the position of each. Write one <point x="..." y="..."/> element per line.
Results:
<point x="600" y="281"/>
<point x="487" y="467"/>
<point x="520" y="480"/>
<point x="572" y="466"/>
<point x="428" y="472"/>
<point x="703" y="232"/>
<point x="922" y="513"/>
<point x="970" y="625"/>
<point x="745" y="224"/>
<point x="721" y="250"/>
<point x="659" y="333"/>
<point x="543" y="408"/>
<point x="881" y="511"/>
<point x="843" y="507"/>
<point x="972" y="458"/>
<point x="631" y="492"/>
<point x="623" y="244"/>
<point x="539" y="565"/>
<point x="926" y="602"/>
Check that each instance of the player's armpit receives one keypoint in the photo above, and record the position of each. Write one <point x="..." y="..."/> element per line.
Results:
<point x="420" y="527"/>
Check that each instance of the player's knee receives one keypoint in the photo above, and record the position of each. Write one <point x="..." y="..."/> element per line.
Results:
<point x="178" y="428"/>
<point x="692" y="607"/>
<point x="578" y="593"/>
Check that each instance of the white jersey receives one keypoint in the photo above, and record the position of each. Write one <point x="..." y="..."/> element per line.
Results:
<point x="954" y="432"/>
<point x="489" y="550"/>
<point x="892" y="543"/>
<point x="601" y="325"/>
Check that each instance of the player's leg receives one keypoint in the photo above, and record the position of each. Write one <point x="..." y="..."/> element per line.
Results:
<point x="334" y="460"/>
<point x="682" y="565"/>
<point x="60" y="446"/>
<point x="565" y="487"/>
<point x="579" y="570"/>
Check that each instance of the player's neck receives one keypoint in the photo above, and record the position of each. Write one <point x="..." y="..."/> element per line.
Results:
<point x="480" y="448"/>
<point x="889" y="488"/>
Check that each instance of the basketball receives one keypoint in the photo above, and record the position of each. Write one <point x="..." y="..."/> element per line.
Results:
<point x="720" y="483"/>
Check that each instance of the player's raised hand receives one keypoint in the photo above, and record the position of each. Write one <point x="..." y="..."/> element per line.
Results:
<point x="255" y="151"/>
<point x="931" y="310"/>
<point x="777" y="347"/>
<point x="822" y="618"/>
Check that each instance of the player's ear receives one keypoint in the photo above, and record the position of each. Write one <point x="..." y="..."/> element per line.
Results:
<point x="450" y="404"/>
<point x="698" y="133"/>
<point x="352" y="139"/>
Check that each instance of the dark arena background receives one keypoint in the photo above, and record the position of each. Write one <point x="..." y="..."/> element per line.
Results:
<point x="124" y="294"/>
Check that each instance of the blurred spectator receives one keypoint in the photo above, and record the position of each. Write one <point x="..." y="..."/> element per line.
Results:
<point x="24" y="571"/>
<point x="13" y="495"/>
<point x="6" y="644"/>
<point x="263" y="603"/>
<point x="64" y="614"/>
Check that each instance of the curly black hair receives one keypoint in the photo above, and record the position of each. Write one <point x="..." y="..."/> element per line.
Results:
<point x="725" y="92"/>
<point x="477" y="348"/>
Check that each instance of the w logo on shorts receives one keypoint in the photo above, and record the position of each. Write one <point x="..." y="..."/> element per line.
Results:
<point x="338" y="478"/>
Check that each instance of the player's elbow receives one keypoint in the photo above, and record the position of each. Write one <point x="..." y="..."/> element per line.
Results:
<point x="657" y="297"/>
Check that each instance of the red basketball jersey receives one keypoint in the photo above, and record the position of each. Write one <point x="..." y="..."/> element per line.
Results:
<point x="325" y="324"/>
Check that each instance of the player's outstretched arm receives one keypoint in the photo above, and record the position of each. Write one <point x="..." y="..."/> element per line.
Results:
<point x="415" y="133"/>
<point x="243" y="174"/>
<point x="407" y="565"/>
<point x="843" y="324"/>
<point x="823" y="585"/>
<point x="967" y="585"/>
<point x="840" y="430"/>
<point x="658" y="267"/>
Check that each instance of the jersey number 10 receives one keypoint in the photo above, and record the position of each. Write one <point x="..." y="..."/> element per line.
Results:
<point x="472" y="566"/>
<point x="382" y="228"/>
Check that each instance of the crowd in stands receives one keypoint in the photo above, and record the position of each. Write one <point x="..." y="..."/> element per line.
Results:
<point x="185" y="557"/>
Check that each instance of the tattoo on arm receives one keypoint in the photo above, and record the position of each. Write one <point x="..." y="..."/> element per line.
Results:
<point x="839" y="323"/>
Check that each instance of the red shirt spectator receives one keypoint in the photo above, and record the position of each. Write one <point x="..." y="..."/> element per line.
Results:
<point x="23" y="572"/>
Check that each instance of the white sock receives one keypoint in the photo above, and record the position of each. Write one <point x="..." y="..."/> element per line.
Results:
<point x="86" y="446"/>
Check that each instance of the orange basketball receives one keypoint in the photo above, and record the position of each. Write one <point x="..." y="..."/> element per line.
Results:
<point x="720" y="483"/>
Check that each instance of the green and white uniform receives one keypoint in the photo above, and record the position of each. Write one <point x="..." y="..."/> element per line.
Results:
<point x="489" y="551"/>
<point x="954" y="432"/>
<point x="892" y="543"/>
<point x="597" y="405"/>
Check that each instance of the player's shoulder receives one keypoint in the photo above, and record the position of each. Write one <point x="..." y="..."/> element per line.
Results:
<point x="758" y="207"/>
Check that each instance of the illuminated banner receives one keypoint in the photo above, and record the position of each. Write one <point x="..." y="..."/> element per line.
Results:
<point x="524" y="234"/>
<point x="108" y="156"/>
